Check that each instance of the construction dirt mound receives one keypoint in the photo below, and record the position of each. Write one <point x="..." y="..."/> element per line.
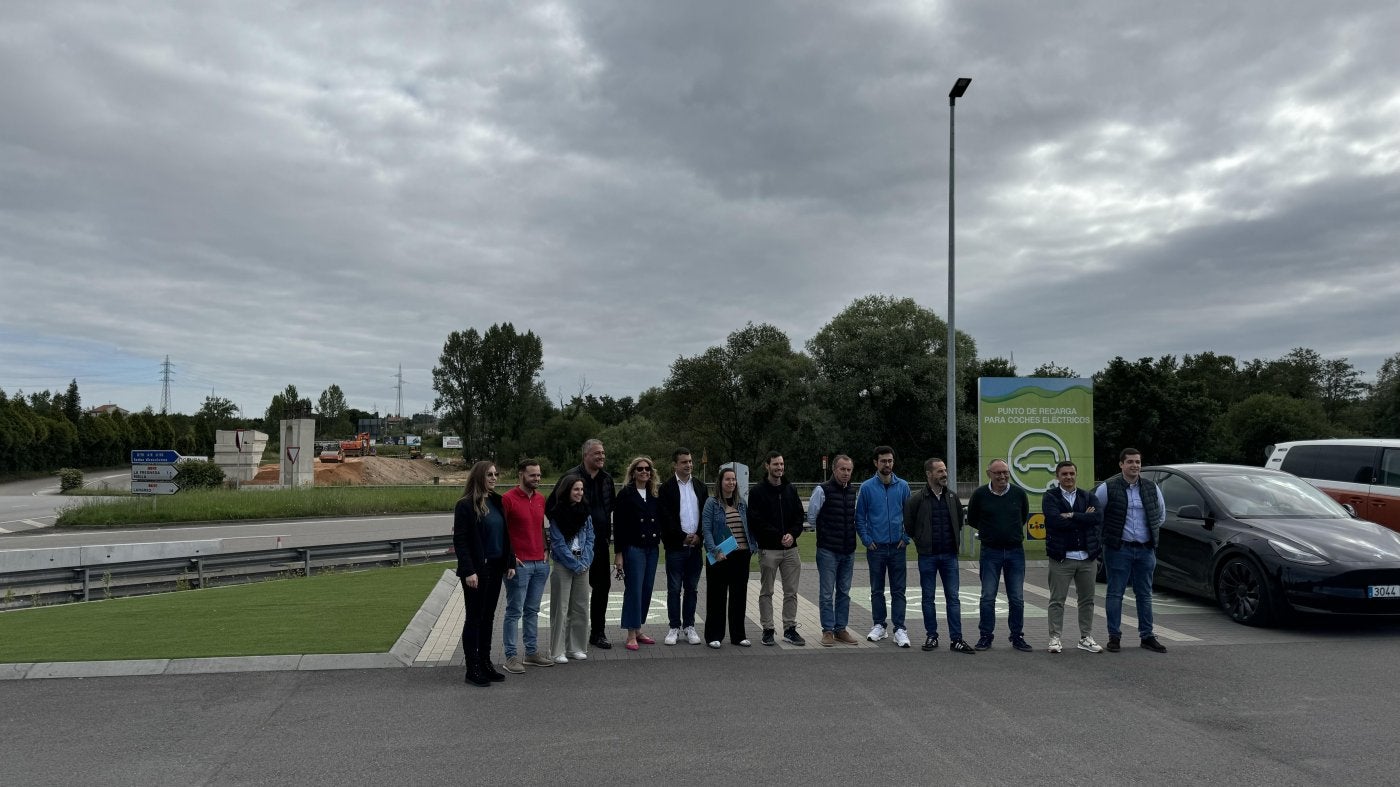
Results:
<point x="373" y="471"/>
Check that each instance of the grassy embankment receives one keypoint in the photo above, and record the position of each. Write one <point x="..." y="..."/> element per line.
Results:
<point x="228" y="505"/>
<point x="350" y="612"/>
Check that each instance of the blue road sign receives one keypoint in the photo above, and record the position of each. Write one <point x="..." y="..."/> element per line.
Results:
<point x="154" y="457"/>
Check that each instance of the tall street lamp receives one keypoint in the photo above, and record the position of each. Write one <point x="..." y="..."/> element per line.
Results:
<point x="959" y="87"/>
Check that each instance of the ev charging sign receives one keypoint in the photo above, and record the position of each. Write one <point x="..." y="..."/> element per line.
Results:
<point x="1033" y="424"/>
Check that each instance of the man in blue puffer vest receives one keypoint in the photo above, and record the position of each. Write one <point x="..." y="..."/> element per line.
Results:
<point x="1132" y="517"/>
<point x="880" y="524"/>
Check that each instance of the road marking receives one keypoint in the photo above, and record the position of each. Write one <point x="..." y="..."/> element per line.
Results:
<point x="1127" y="620"/>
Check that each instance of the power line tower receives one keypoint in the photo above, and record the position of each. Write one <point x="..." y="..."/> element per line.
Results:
<point x="398" y="407"/>
<point x="165" y="375"/>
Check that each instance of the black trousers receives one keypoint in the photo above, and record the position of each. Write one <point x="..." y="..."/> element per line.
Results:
<point x="600" y="582"/>
<point x="727" y="596"/>
<point x="481" y="612"/>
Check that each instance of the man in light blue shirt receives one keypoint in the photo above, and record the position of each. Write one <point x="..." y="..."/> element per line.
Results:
<point x="1133" y="512"/>
<point x="880" y="525"/>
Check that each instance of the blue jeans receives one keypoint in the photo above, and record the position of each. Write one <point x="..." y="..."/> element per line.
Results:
<point x="931" y="567"/>
<point x="682" y="581"/>
<point x="638" y="575"/>
<point x="1134" y="564"/>
<point x="886" y="558"/>
<point x="995" y="564"/>
<point x="834" y="572"/>
<point x="523" y="593"/>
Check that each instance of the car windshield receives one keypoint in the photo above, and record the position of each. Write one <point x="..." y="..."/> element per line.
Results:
<point x="1268" y="495"/>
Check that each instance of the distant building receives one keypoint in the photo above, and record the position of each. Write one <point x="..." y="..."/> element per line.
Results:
<point x="108" y="409"/>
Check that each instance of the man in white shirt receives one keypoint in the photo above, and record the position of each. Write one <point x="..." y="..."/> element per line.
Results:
<point x="1072" y="524"/>
<point x="679" y="502"/>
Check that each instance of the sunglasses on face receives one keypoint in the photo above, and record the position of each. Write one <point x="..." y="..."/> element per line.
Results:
<point x="644" y="470"/>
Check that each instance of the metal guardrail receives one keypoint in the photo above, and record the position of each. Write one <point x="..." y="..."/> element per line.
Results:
<point x="41" y="587"/>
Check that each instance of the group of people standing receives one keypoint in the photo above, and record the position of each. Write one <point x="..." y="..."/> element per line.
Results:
<point x="503" y="540"/>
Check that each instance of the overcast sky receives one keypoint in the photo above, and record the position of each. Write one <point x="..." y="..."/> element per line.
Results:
<point x="315" y="193"/>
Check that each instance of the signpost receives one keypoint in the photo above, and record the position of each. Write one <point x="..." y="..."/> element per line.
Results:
<point x="154" y="472"/>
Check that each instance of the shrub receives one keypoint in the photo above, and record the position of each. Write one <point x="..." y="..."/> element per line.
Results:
<point x="199" y="474"/>
<point x="68" y="478"/>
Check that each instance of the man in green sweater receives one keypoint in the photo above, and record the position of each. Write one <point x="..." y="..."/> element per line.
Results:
<point x="998" y="512"/>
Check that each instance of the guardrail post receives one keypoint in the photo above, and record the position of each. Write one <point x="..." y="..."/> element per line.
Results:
<point x="199" y="571"/>
<point x="306" y="562"/>
<point x="87" y="586"/>
<point x="400" y="546"/>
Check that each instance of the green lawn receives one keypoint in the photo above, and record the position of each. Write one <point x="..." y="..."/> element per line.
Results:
<point x="215" y="505"/>
<point x="352" y="612"/>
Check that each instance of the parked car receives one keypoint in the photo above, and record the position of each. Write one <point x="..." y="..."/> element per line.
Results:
<point x="1264" y="543"/>
<point x="1364" y="473"/>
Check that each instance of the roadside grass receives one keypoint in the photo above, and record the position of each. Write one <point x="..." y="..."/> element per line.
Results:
<point x="218" y="505"/>
<point x="349" y="612"/>
<point x="97" y="491"/>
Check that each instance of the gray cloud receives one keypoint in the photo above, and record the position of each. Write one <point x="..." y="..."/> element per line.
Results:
<point x="318" y="193"/>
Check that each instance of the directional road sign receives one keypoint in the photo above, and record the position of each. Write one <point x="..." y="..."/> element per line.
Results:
<point x="165" y="457"/>
<point x="154" y="472"/>
<point x="154" y="488"/>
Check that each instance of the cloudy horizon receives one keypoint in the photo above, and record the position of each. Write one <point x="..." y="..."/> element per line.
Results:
<point x="318" y="193"/>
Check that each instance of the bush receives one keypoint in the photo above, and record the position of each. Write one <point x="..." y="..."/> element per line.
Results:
<point x="68" y="478"/>
<point x="199" y="474"/>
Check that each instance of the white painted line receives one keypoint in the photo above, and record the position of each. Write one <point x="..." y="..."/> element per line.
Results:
<point x="1128" y="620"/>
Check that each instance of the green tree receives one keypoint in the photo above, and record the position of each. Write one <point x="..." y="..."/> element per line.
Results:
<point x="1052" y="369"/>
<point x="882" y="372"/>
<point x="1266" y="419"/>
<point x="489" y="386"/>
<point x="72" y="403"/>
<point x="331" y="404"/>
<point x="454" y="379"/>
<point x="1145" y="405"/>
<point x="1342" y="387"/>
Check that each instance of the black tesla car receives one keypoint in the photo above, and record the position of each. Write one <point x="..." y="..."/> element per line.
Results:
<point x="1263" y="543"/>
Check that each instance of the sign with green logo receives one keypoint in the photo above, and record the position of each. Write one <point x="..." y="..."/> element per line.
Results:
<point x="1034" y="423"/>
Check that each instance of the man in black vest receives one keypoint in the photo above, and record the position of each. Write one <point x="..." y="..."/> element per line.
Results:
<point x="679" y="503"/>
<point x="1132" y="517"/>
<point x="599" y="491"/>
<point x="933" y="518"/>
<point x="831" y="510"/>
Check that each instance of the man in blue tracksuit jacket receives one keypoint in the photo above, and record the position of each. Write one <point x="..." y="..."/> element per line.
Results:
<point x="880" y="525"/>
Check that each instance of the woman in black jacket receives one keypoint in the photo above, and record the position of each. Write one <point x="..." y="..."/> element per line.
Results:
<point x="637" y="539"/>
<point x="484" y="559"/>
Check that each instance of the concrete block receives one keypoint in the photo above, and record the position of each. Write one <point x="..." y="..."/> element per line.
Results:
<point x="39" y="559"/>
<point x="97" y="669"/>
<point x="14" y="671"/>
<point x="331" y="661"/>
<point x="121" y="553"/>
<point x="233" y="664"/>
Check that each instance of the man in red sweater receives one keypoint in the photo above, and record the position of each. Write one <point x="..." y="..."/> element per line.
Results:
<point x="523" y="507"/>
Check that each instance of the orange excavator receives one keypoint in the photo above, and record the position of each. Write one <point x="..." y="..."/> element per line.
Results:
<point x="359" y="445"/>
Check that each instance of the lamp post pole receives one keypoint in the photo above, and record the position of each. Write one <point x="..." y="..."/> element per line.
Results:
<point x="959" y="87"/>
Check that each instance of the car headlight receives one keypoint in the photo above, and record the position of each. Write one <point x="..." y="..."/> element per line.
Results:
<point x="1289" y="552"/>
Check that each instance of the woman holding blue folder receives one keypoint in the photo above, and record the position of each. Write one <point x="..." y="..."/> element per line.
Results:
<point x="724" y="524"/>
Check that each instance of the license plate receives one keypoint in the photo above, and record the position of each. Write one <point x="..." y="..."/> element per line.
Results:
<point x="1383" y="591"/>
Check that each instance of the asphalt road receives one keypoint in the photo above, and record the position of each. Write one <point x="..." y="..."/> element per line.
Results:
<point x="1308" y="713"/>
<point x="32" y="505"/>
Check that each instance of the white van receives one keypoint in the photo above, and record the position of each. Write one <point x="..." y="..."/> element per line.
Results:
<point x="1364" y="473"/>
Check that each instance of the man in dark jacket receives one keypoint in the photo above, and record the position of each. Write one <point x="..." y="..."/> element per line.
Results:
<point x="1132" y="517"/>
<point x="831" y="511"/>
<point x="680" y="501"/>
<point x="775" y="517"/>
<point x="599" y="491"/>
<point x="1072" y="522"/>
<point x="998" y="512"/>
<point x="933" y="518"/>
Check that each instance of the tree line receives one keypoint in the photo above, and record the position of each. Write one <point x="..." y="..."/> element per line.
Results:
<point x="875" y="374"/>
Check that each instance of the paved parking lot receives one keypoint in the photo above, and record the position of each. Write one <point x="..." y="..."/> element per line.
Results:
<point x="1180" y="621"/>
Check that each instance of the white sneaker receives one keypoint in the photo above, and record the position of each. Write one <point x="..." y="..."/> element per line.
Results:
<point x="901" y="638"/>
<point x="715" y="644"/>
<point x="691" y="635"/>
<point x="877" y="633"/>
<point x="561" y="659"/>
<point x="1055" y="646"/>
<point x="672" y="635"/>
<point x="578" y="655"/>
<point x="1088" y="643"/>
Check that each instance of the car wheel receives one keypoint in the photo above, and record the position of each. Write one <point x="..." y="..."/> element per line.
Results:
<point x="1243" y="593"/>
